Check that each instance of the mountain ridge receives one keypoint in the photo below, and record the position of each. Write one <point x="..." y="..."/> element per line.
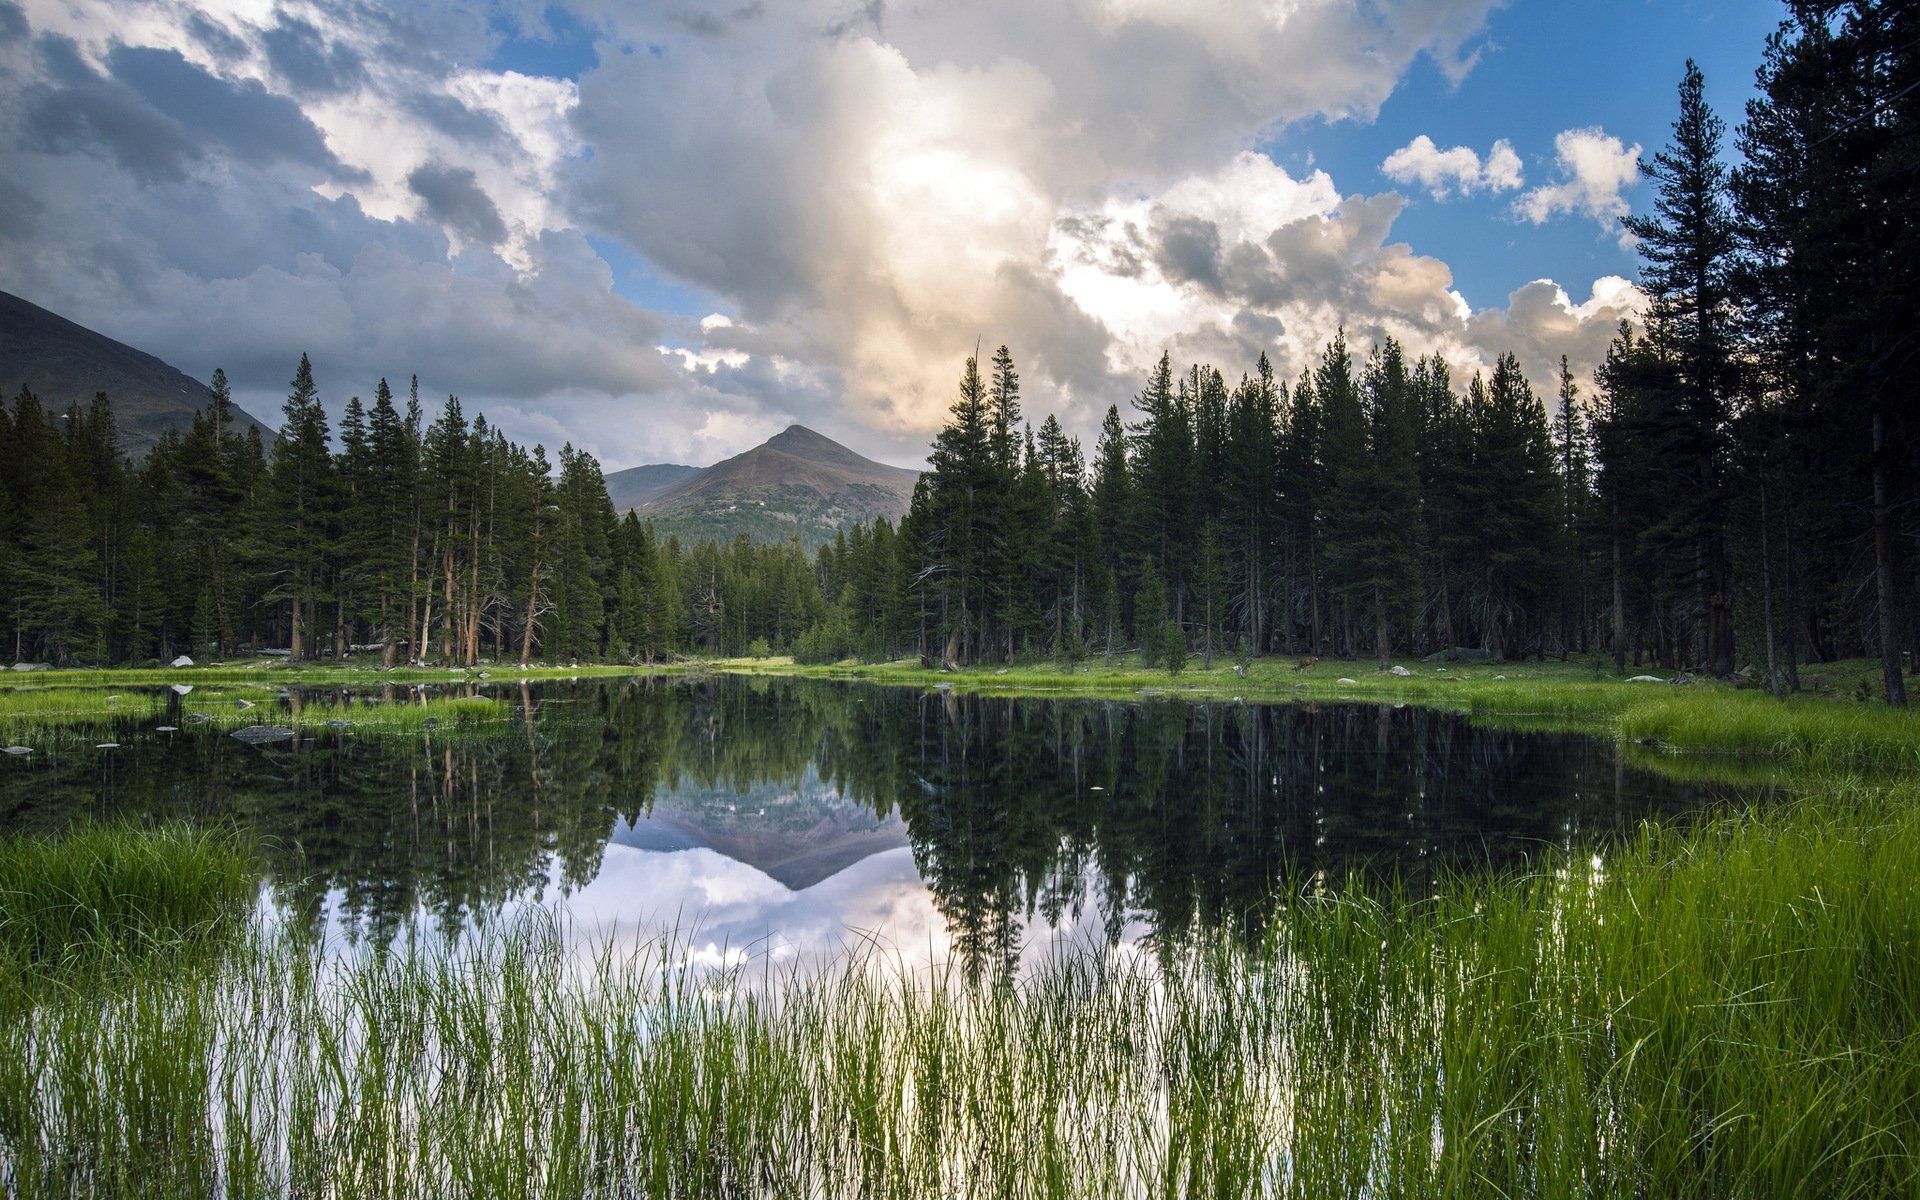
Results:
<point x="796" y="483"/>
<point x="65" y="364"/>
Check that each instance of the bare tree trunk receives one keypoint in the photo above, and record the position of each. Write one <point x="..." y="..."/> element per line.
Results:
<point x="1885" y="584"/>
<point x="1766" y="595"/>
<point x="1381" y="646"/>
<point x="533" y="599"/>
<point x="1619" y="612"/>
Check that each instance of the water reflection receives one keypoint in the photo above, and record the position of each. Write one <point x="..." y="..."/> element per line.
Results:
<point x="794" y="813"/>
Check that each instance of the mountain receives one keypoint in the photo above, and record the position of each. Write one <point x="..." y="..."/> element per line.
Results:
<point x="797" y="482"/>
<point x="636" y="485"/>
<point x="66" y="364"/>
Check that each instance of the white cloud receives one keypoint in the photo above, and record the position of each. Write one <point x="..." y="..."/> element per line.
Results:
<point x="1223" y="267"/>
<point x="864" y="196"/>
<point x="1595" y="168"/>
<point x="1455" y="169"/>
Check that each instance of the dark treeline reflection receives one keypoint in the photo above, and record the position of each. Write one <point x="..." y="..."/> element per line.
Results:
<point x="1179" y="816"/>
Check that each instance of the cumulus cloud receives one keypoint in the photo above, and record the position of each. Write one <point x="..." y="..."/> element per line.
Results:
<point x="864" y="190"/>
<point x="1455" y="169"/>
<point x="1221" y="268"/>
<point x="455" y="198"/>
<point x="1595" y="169"/>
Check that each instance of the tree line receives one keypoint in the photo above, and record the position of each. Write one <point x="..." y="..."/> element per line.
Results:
<point x="392" y="537"/>
<point x="1738" y="488"/>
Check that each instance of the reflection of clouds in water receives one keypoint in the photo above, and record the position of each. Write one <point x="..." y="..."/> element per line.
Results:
<point x="717" y="912"/>
<point x="721" y="908"/>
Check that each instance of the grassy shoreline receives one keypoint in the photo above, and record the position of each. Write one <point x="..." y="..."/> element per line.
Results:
<point x="1832" y="729"/>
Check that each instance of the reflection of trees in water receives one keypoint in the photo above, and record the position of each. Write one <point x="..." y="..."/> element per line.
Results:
<point x="1174" y="815"/>
<point x="1203" y="816"/>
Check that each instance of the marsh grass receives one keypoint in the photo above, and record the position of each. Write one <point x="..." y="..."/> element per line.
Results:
<point x="360" y="714"/>
<point x="1728" y="1011"/>
<point x="97" y="896"/>
<point x="45" y="708"/>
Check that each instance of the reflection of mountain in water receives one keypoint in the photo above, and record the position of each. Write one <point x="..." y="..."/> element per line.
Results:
<point x="797" y="833"/>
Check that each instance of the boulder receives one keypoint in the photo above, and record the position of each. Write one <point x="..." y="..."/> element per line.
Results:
<point x="1646" y="679"/>
<point x="1399" y="670"/>
<point x="181" y="689"/>
<point x="17" y="750"/>
<point x="256" y="735"/>
<point x="1344" y="679"/>
<point x="27" y="666"/>
<point x="182" y="661"/>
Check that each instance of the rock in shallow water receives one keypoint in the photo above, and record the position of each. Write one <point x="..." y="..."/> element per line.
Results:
<point x="255" y="735"/>
<point x="17" y="750"/>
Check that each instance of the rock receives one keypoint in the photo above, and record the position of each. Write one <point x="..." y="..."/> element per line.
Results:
<point x="1681" y="680"/>
<point x="27" y="666"/>
<point x="166" y="729"/>
<point x="181" y="689"/>
<point x="1398" y="670"/>
<point x="339" y="724"/>
<point x="1149" y="692"/>
<point x="1499" y="676"/>
<point x="182" y="661"/>
<point x="17" y="750"/>
<point x="1646" y="679"/>
<point x="107" y="746"/>
<point x="243" y="704"/>
<point x="1001" y="671"/>
<point x="1344" y="679"/>
<point x="197" y="718"/>
<point x="257" y="735"/>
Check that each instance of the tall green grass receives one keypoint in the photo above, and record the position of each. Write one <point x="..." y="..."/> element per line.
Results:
<point x="1728" y="1011"/>
<point x="100" y="895"/>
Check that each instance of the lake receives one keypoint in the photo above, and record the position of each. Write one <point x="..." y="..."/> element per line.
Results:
<point x="774" y="820"/>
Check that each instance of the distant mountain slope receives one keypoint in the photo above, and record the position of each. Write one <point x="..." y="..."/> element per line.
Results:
<point x="637" y="485"/>
<point x="797" y="482"/>
<point x="66" y="364"/>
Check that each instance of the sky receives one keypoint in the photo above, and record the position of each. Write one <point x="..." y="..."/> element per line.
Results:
<point x="665" y="231"/>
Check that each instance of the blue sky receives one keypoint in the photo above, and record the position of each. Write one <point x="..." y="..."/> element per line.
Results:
<point x="1545" y="66"/>
<point x="664" y="230"/>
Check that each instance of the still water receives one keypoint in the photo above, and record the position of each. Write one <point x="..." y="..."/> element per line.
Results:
<point x="783" y="818"/>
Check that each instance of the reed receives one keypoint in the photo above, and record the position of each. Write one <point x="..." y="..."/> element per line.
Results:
<point x="113" y="894"/>
<point x="1728" y="1010"/>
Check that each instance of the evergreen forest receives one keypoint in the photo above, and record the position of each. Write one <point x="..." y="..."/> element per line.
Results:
<point x="1734" y="491"/>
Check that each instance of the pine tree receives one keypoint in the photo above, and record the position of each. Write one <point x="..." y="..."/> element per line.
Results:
<point x="1688" y="247"/>
<point x="300" y="489"/>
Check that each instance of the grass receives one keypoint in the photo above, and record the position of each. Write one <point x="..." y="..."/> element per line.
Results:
<point x="1831" y="730"/>
<point x="279" y="672"/>
<point x="48" y="716"/>
<point x="1725" y="1012"/>
<point x="112" y="894"/>
<point x="362" y="714"/>
<point x="55" y="707"/>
